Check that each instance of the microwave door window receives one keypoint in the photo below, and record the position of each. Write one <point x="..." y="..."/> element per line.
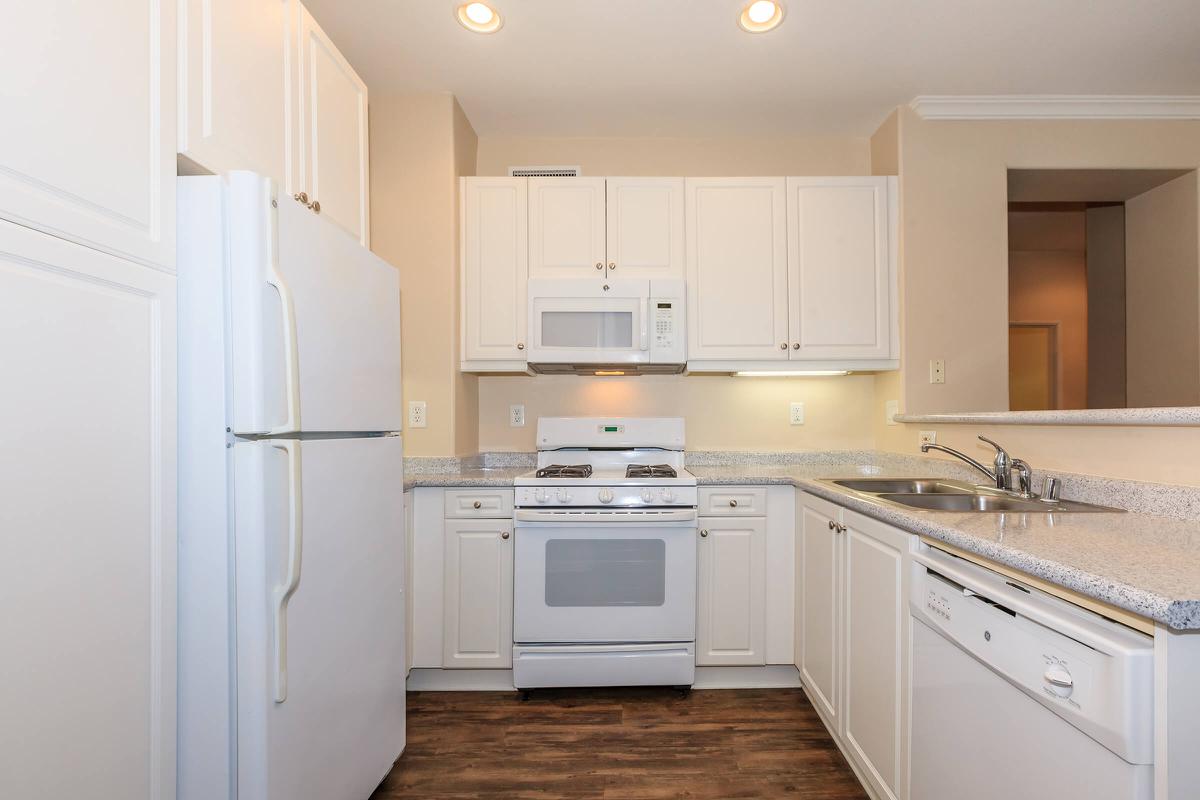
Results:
<point x="606" y="330"/>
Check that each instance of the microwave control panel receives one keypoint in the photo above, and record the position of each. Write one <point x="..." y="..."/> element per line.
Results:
<point x="666" y="329"/>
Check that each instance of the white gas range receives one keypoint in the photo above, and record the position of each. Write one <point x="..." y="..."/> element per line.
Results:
<point x="605" y="558"/>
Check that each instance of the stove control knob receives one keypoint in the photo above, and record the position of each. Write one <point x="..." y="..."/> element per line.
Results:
<point x="668" y="496"/>
<point x="605" y="495"/>
<point x="540" y="495"/>
<point x="564" y="496"/>
<point x="647" y="495"/>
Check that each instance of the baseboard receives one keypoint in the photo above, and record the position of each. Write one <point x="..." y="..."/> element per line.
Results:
<point x="782" y="676"/>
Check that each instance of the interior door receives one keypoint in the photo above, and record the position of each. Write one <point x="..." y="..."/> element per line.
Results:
<point x="839" y="268"/>
<point x="320" y="619"/>
<point x="737" y="269"/>
<point x="645" y="228"/>
<point x="566" y="228"/>
<point x="316" y="322"/>
<point x="732" y="592"/>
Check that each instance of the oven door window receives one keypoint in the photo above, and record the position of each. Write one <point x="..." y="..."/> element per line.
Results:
<point x="590" y="573"/>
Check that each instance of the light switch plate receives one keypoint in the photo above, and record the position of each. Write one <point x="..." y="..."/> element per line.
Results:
<point x="890" y="410"/>
<point x="417" y="417"/>
<point x="937" y="371"/>
<point x="516" y="416"/>
<point x="796" y="414"/>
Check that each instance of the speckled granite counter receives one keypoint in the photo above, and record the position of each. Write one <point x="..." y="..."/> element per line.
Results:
<point x="465" y="476"/>
<point x="1147" y="564"/>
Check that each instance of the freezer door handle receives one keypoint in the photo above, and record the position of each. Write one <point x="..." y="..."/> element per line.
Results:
<point x="294" y="558"/>
<point x="291" y="423"/>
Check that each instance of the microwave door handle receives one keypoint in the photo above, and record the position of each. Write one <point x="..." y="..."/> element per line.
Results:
<point x="645" y="325"/>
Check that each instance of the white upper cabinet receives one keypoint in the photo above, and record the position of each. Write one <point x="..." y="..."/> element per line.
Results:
<point x="839" y="268"/>
<point x="566" y="228"/>
<point x="232" y="80"/>
<point x="328" y="150"/>
<point x="495" y="272"/>
<point x="645" y="228"/>
<point x="737" y="269"/>
<point x="87" y="145"/>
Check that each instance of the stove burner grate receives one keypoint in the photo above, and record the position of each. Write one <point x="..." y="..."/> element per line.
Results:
<point x="650" y="471"/>
<point x="565" y="471"/>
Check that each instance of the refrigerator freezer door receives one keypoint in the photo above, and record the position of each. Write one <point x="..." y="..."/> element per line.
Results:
<point x="320" y="617"/>
<point x="314" y="320"/>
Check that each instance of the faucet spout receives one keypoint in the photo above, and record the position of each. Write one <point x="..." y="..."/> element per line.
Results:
<point x="992" y="476"/>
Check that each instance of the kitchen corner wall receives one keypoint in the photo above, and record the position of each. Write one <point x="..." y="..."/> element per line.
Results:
<point x="420" y="145"/>
<point x="722" y="412"/>
<point x="954" y="272"/>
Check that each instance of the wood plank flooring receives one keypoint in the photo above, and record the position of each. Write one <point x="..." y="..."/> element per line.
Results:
<point x="626" y="744"/>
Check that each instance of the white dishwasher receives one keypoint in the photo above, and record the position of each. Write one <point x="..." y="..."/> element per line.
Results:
<point x="1018" y="694"/>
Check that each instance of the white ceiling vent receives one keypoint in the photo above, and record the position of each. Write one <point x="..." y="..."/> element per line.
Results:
<point x="543" y="172"/>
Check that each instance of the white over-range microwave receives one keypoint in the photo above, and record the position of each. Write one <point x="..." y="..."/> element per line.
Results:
<point x="606" y="327"/>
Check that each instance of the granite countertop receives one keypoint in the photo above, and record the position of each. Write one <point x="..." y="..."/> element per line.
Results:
<point x="1147" y="564"/>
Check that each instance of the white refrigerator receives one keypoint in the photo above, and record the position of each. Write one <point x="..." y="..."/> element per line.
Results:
<point x="291" y="522"/>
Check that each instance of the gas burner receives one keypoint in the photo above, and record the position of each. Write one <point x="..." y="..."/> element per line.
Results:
<point x="565" y="471"/>
<point x="650" y="471"/>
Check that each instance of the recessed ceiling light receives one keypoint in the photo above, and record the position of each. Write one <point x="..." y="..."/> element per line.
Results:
<point x="479" y="17"/>
<point x="761" y="16"/>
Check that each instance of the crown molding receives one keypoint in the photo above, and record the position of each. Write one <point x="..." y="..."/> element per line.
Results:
<point x="1057" y="106"/>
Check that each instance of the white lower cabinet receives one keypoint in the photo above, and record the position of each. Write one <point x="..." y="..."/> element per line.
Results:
<point x="731" y="621"/>
<point x="851" y="636"/>
<point x="478" y="594"/>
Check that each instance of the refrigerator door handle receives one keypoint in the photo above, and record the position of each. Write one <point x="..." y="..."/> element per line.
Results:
<point x="292" y="422"/>
<point x="294" y="558"/>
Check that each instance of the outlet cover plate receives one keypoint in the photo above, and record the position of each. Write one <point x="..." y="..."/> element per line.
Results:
<point x="796" y="414"/>
<point x="937" y="371"/>
<point x="417" y="414"/>
<point x="890" y="410"/>
<point x="928" y="437"/>
<point x="516" y="416"/>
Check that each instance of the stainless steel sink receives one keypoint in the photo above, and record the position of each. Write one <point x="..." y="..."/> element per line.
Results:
<point x="904" y="486"/>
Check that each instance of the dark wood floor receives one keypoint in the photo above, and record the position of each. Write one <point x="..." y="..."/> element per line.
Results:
<point x="631" y="744"/>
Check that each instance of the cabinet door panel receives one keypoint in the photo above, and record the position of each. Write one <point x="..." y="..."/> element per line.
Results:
<point x="730" y="605"/>
<point x="737" y="269"/>
<point x="876" y="604"/>
<point x="820" y="607"/>
<point x="566" y="227"/>
<point x="495" y="277"/>
<point x="333" y="139"/>
<point x="232" y="71"/>
<point x="87" y="146"/>
<point x="88" y="522"/>
<point x="839" y="268"/>
<point x="645" y="227"/>
<point x="478" y="604"/>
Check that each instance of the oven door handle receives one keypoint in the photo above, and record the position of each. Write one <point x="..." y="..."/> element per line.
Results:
<point x="672" y="517"/>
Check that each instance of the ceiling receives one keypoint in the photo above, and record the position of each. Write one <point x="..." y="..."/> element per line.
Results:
<point x="684" y="68"/>
<point x="1084" y="185"/>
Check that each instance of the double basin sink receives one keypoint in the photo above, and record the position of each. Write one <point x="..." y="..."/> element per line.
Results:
<point x="938" y="494"/>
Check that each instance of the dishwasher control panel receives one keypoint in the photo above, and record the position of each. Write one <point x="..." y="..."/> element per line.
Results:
<point x="1071" y="660"/>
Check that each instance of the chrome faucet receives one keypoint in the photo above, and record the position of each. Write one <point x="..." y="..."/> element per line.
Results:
<point x="1002" y="467"/>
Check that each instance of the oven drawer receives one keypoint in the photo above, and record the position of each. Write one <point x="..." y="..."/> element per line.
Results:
<point x="479" y="504"/>
<point x="733" y="501"/>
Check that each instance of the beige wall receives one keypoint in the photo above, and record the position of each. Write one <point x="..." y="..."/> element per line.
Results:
<point x="953" y="191"/>
<point x="420" y="144"/>
<point x="1162" y="323"/>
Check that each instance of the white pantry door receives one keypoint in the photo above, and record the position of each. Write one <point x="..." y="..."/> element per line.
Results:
<point x="87" y="143"/>
<point x="566" y="228"/>
<point x="87" y="523"/>
<point x="737" y="269"/>
<point x="645" y="228"/>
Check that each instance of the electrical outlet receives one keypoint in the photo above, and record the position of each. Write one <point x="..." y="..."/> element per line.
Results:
<point x="516" y="416"/>
<point x="928" y="437"/>
<point x="796" y="415"/>
<point x="937" y="371"/>
<point x="890" y="410"/>
<point x="417" y="417"/>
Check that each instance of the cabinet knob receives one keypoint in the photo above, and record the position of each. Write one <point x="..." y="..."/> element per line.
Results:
<point x="301" y="197"/>
<point x="505" y="535"/>
<point x="795" y="345"/>
<point x="477" y="504"/>
<point x="783" y="345"/>
<point x="612" y="265"/>
<point x="733" y="503"/>
<point x="316" y="206"/>
<point x="704" y="534"/>
<point x="832" y="524"/>
<point x="520" y="345"/>
<point x="599" y="265"/>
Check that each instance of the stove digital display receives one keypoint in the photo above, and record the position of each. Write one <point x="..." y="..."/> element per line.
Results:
<point x="612" y="428"/>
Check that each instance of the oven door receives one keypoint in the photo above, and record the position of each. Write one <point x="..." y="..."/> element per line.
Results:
<point x="588" y="322"/>
<point x="618" y="577"/>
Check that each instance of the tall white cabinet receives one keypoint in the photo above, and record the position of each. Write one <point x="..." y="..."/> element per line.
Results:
<point x="87" y="522"/>
<point x="495" y="272"/>
<point x="87" y="144"/>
